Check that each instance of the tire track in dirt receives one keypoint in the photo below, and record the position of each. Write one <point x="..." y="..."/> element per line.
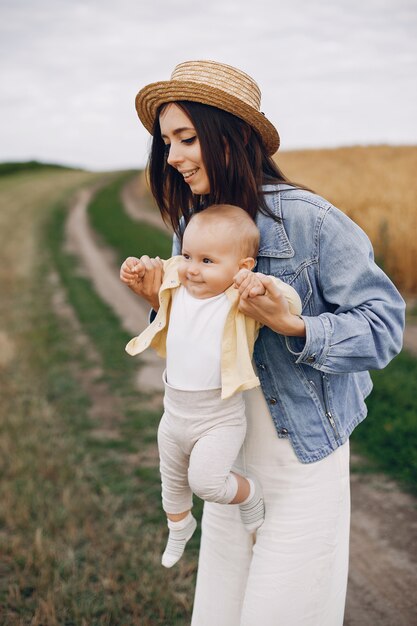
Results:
<point x="383" y="562"/>
<point x="99" y="264"/>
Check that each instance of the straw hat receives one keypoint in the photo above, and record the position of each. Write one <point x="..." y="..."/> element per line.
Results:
<point x="212" y="83"/>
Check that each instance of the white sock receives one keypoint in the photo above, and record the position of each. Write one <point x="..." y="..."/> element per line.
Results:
<point x="179" y="533"/>
<point x="252" y="510"/>
<point x="182" y="523"/>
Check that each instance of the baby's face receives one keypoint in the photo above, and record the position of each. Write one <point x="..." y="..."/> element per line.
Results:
<point x="210" y="260"/>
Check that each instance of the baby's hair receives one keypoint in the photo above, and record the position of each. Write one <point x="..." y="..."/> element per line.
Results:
<point x="242" y="229"/>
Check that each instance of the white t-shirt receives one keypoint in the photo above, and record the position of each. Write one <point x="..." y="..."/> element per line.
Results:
<point x="194" y="341"/>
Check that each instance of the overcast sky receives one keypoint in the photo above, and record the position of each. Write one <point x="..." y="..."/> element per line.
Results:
<point x="332" y="72"/>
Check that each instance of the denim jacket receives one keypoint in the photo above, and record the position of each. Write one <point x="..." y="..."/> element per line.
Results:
<point x="315" y="386"/>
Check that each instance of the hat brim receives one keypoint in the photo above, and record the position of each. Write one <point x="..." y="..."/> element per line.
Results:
<point x="151" y="97"/>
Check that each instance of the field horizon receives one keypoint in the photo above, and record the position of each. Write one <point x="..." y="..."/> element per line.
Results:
<point x="375" y="185"/>
<point x="87" y="168"/>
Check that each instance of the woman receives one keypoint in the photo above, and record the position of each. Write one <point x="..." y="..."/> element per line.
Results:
<point x="211" y="144"/>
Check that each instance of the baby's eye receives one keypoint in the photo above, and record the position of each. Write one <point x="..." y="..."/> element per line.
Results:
<point x="186" y="256"/>
<point x="207" y="260"/>
<point x="189" y="140"/>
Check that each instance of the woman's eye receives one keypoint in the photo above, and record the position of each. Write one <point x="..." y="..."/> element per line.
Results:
<point x="189" y="141"/>
<point x="167" y="147"/>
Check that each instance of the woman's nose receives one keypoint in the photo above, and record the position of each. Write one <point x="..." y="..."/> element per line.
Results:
<point x="175" y="154"/>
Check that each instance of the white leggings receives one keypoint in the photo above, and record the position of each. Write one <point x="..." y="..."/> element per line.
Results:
<point x="296" y="572"/>
<point x="199" y="438"/>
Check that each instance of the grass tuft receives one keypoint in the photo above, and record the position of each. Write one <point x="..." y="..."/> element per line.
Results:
<point x="388" y="436"/>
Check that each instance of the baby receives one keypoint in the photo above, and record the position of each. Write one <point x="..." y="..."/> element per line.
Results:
<point x="208" y="345"/>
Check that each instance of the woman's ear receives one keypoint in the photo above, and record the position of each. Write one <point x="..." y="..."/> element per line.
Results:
<point x="247" y="264"/>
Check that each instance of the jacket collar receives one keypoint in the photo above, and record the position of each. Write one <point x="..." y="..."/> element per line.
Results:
<point x="274" y="239"/>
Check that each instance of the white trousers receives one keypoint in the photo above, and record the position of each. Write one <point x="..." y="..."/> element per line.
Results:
<point x="296" y="572"/>
<point x="199" y="438"/>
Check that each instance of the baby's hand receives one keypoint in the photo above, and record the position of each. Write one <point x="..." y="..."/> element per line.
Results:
<point x="248" y="284"/>
<point x="144" y="277"/>
<point x="132" y="271"/>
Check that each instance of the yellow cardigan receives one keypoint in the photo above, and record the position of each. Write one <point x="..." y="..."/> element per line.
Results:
<point x="239" y="335"/>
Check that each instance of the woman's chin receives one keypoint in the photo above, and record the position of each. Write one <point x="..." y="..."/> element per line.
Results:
<point x="199" y="189"/>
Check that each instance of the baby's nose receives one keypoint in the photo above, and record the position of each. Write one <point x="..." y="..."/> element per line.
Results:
<point x="193" y="268"/>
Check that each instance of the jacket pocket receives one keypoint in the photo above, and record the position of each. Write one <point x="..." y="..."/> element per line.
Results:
<point x="323" y="396"/>
<point x="299" y="280"/>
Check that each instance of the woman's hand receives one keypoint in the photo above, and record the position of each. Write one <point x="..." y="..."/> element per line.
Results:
<point x="144" y="277"/>
<point x="271" y="309"/>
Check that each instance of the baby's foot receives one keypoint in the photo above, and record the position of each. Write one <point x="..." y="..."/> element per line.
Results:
<point x="179" y="533"/>
<point x="252" y="510"/>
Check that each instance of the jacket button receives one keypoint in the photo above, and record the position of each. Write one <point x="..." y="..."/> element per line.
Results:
<point x="261" y="366"/>
<point x="284" y="431"/>
<point x="311" y="359"/>
<point x="272" y="400"/>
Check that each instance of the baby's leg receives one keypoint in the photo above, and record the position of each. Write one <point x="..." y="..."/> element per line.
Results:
<point x="210" y="476"/>
<point x="211" y="459"/>
<point x="176" y="493"/>
<point x="173" y="465"/>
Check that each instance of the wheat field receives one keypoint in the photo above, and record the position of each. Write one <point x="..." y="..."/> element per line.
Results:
<point x="377" y="187"/>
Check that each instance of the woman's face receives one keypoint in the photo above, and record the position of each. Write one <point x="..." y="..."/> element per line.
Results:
<point x="183" y="147"/>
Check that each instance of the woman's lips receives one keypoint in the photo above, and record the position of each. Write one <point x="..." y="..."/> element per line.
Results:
<point x="188" y="175"/>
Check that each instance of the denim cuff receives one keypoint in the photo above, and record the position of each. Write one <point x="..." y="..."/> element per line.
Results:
<point x="295" y="345"/>
<point x="313" y="348"/>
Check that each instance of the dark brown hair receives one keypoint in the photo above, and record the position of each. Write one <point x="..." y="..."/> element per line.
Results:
<point x="238" y="181"/>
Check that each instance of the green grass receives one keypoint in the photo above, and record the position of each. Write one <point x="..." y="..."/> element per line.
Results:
<point x="388" y="436"/>
<point x="125" y="236"/>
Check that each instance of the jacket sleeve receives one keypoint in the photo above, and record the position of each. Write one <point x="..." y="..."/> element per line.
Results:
<point x="364" y="326"/>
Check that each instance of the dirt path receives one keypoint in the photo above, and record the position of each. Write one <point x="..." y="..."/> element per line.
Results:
<point x="383" y="554"/>
<point x="99" y="264"/>
<point x="383" y="570"/>
<point x="138" y="204"/>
